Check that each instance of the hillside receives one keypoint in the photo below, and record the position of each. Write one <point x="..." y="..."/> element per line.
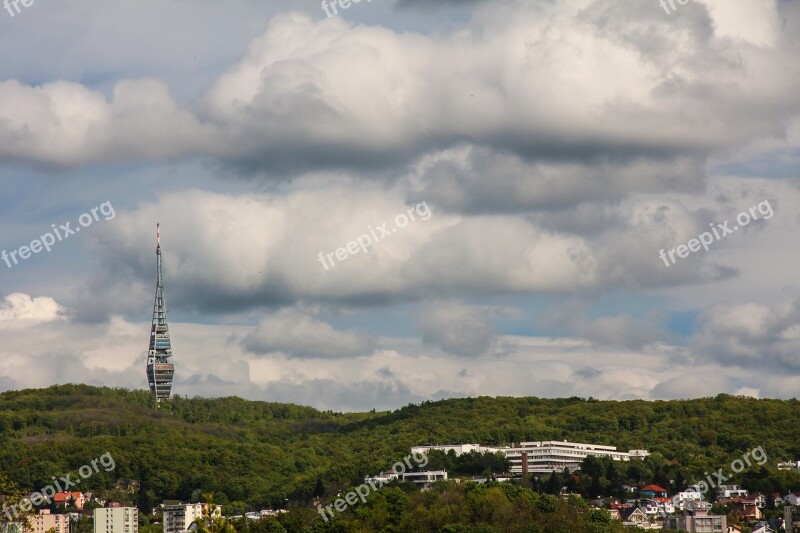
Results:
<point x="259" y="454"/>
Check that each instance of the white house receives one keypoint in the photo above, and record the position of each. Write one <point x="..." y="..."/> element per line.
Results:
<point x="426" y="479"/>
<point x="690" y="494"/>
<point x="731" y="491"/>
<point x="790" y="465"/>
<point x="658" y="507"/>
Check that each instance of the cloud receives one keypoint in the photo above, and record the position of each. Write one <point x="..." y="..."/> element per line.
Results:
<point x="589" y="81"/>
<point x="299" y="335"/>
<point x="63" y="124"/>
<point x="457" y="329"/>
<point x="21" y="310"/>
<point x="471" y="179"/>
<point x="752" y="335"/>
<point x="618" y="331"/>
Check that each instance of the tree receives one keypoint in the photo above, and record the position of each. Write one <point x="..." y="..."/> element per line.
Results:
<point x="553" y="484"/>
<point x="319" y="488"/>
<point x="211" y="521"/>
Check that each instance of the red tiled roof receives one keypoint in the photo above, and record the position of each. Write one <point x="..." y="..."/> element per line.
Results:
<point x="65" y="496"/>
<point x="654" y="488"/>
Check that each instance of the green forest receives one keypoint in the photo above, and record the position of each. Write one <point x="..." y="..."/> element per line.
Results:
<point x="257" y="455"/>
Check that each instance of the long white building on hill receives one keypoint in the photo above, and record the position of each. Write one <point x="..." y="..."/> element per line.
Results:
<point x="541" y="457"/>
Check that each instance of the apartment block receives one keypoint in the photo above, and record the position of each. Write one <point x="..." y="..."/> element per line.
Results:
<point x="116" y="520"/>
<point x="178" y="518"/>
<point x="44" y="521"/>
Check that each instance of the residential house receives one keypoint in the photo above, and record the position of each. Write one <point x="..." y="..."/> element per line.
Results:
<point x="746" y="513"/>
<point x="758" y="500"/>
<point x="763" y="527"/>
<point x="65" y="499"/>
<point x="424" y="479"/>
<point x="790" y="465"/>
<point x="657" y="506"/>
<point x="690" y="494"/>
<point x="654" y="491"/>
<point x="731" y="491"/>
<point x="381" y="479"/>
<point x="793" y="498"/>
<point x="697" y="521"/>
<point x="633" y="516"/>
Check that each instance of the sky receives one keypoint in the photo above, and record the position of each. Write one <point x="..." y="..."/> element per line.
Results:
<point x="406" y="200"/>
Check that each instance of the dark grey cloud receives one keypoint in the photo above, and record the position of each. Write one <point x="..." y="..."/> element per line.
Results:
<point x="457" y="329"/>
<point x="300" y="335"/>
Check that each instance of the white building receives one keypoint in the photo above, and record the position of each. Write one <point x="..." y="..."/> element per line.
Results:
<point x="549" y="456"/>
<point x="116" y="520"/>
<point x="384" y="478"/>
<point x="426" y="479"/>
<point x="697" y="521"/>
<point x="654" y="507"/>
<point x="689" y="495"/>
<point x="731" y="491"/>
<point x="458" y="449"/>
<point x="791" y="465"/>
<point x="541" y="457"/>
<point x="421" y="478"/>
<point x="178" y="518"/>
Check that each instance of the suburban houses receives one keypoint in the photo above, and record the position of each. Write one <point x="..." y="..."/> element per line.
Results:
<point x="647" y="506"/>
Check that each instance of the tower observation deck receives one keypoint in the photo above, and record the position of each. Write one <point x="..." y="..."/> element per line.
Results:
<point x="160" y="369"/>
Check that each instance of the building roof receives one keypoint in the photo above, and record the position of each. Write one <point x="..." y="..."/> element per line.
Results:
<point x="627" y="513"/>
<point x="65" y="496"/>
<point x="654" y="488"/>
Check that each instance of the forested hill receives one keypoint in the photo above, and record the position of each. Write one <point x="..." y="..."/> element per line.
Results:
<point x="260" y="453"/>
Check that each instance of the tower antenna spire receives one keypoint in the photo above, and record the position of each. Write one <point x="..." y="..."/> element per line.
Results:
<point x="160" y="369"/>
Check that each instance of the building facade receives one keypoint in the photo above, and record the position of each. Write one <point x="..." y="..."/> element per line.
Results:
<point x="178" y="518"/>
<point x="425" y="479"/>
<point x="791" y="519"/>
<point x="116" y="520"/>
<point x="44" y="521"/>
<point x="697" y="521"/>
<point x="541" y="457"/>
<point x="545" y="457"/>
<point x="66" y="499"/>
